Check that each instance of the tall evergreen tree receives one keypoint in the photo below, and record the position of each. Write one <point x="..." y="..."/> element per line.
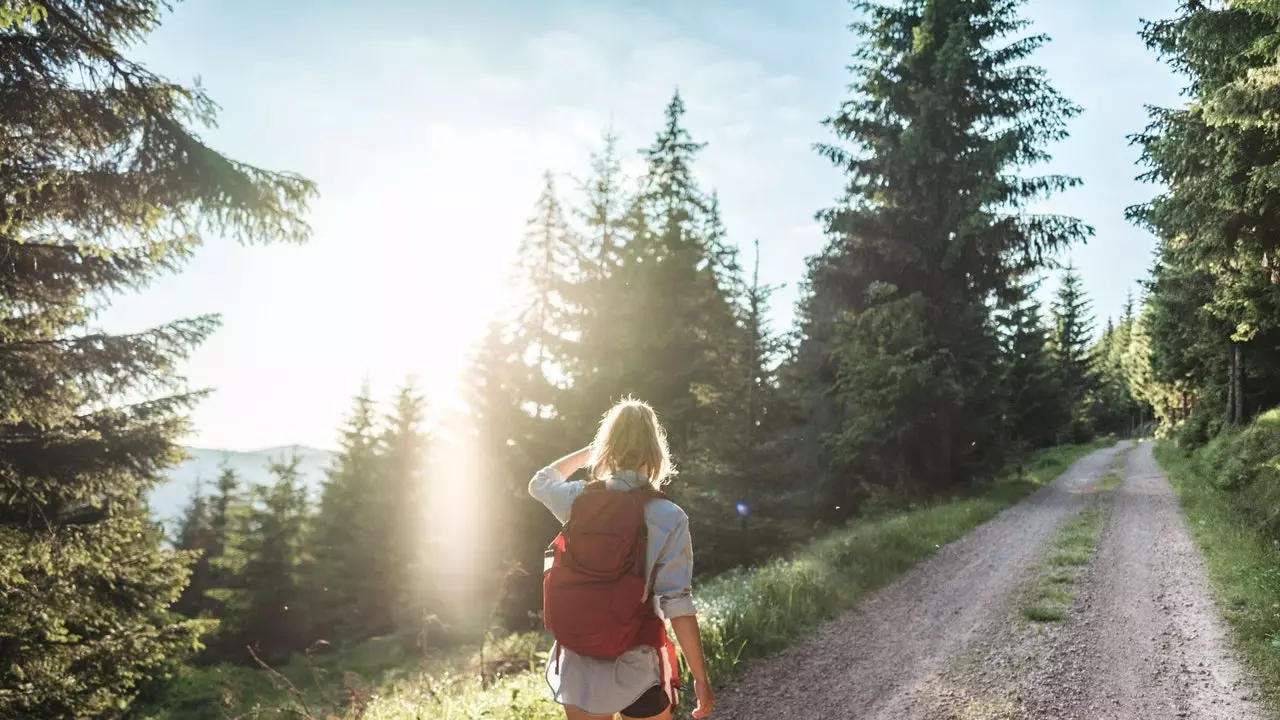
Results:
<point x="196" y="536"/>
<point x="228" y="511"/>
<point x="1036" y="408"/>
<point x="1072" y="341"/>
<point x="679" y="320"/>
<point x="931" y="231"/>
<point x="225" y="509"/>
<point x="604" y="211"/>
<point x="341" y="573"/>
<point x="610" y="215"/>
<point x="1162" y="399"/>
<point x="268" y="609"/>
<point x="544" y="263"/>
<point x="1187" y="345"/>
<point x="764" y="349"/>
<point x="105" y="186"/>
<point x="403" y="517"/>
<point x="1217" y="157"/>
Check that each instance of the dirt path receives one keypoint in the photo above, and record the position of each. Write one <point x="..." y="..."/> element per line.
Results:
<point x="872" y="661"/>
<point x="1142" y="641"/>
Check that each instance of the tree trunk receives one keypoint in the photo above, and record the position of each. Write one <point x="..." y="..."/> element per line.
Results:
<point x="944" y="451"/>
<point x="1228" y="418"/>
<point x="1237" y="391"/>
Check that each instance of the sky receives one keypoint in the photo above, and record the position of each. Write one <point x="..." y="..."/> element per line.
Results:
<point x="428" y="126"/>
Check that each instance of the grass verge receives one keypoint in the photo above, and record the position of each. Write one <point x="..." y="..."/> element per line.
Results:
<point x="1071" y="549"/>
<point x="1241" y="559"/>
<point x="743" y="613"/>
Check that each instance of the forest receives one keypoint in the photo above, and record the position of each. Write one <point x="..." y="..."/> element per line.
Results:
<point x="924" y="360"/>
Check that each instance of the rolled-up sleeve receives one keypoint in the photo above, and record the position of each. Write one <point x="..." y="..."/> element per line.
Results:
<point x="673" y="573"/>
<point x="550" y="488"/>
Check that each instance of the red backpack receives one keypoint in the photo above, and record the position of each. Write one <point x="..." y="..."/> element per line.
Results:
<point x="593" y="585"/>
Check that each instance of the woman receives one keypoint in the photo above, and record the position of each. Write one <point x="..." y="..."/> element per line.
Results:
<point x="630" y="448"/>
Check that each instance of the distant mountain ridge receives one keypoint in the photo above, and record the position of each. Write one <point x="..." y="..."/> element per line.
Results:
<point x="205" y="464"/>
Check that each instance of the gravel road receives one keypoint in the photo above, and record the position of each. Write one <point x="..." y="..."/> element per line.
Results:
<point x="946" y="641"/>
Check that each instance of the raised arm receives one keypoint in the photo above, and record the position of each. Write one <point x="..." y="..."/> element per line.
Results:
<point x="550" y="487"/>
<point x="574" y="461"/>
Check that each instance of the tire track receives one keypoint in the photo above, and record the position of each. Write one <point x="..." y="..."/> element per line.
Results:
<point x="880" y="661"/>
<point x="1142" y="641"/>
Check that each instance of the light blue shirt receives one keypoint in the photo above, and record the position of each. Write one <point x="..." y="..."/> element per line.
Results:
<point x="604" y="687"/>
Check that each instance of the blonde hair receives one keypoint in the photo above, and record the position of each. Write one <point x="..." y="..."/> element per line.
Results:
<point x="631" y="438"/>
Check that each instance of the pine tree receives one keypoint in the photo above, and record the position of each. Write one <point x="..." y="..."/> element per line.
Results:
<point x="545" y="261"/>
<point x="228" y="511"/>
<point x="1187" y="346"/>
<point x="225" y="509"/>
<point x="604" y="212"/>
<point x="596" y="296"/>
<point x="404" y="541"/>
<point x="1168" y="401"/>
<point x="341" y="573"/>
<point x="1036" y="408"/>
<point x="105" y="187"/>
<point x="678" y="319"/>
<point x="763" y="351"/>
<point x="930" y="233"/>
<point x="267" y="609"/>
<point x="196" y="536"/>
<point x="1072" y="341"/>
<point x="1217" y="157"/>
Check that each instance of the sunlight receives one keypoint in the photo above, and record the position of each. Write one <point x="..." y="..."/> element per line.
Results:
<point x="446" y="228"/>
<point x="455" y="526"/>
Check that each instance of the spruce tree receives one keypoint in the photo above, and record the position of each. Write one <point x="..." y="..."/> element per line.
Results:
<point x="605" y="204"/>
<point x="1217" y="158"/>
<point x="595" y="296"/>
<point x="764" y="348"/>
<point x="224" y="510"/>
<point x="678" y="320"/>
<point x="1187" y="343"/>
<point x="105" y="187"/>
<point x="545" y="261"/>
<point x="267" y="616"/>
<point x="1166" y="399"/>
<point x="341" y="570"/>
<point x="1072" y="340"/>
<point x="932" y="230"/>
<point x="402" y="516"/>
<point x="228" y="512"/>
<point x="196" y="536"/>
<point x="1036" y="408"/>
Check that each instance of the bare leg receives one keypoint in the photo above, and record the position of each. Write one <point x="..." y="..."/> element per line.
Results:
<point x="664" y="715"/>
<point x="573" y="713"/>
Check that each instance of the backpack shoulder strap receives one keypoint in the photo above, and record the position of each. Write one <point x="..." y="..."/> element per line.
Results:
<point x="651" y="493"/>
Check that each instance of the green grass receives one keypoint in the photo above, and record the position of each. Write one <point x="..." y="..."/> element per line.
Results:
<point x="1240" y="554"/>
<point x="742" y="613"/>
<point x="1109" y="482"/>
<point x="1060" y="576"/>
<point x="987" y="710"/>
<point x="1044" y="613"/>
<point x="1071" y="548"/>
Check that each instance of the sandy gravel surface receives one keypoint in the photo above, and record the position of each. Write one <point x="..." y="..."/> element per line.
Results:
<point x="946" y="641"/>
<point x="878" y="661"/>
